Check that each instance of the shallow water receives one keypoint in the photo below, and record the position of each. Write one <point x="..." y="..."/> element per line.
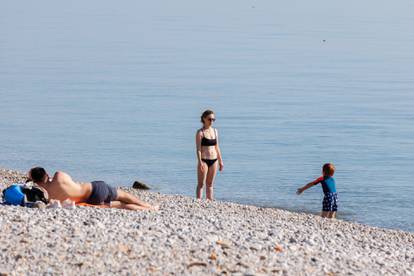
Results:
<point x="114" y="91"/>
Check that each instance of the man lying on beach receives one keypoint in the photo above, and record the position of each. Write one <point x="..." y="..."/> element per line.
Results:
<point x="62" y="187"/>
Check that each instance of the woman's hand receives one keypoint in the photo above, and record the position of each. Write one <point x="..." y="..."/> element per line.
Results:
<point x="221" y="166"/>
<point x="299" y="191"/>
<point x="201" y="167"/>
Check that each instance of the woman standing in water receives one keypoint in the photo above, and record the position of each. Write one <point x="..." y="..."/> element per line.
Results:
<point x="208" y="154"/>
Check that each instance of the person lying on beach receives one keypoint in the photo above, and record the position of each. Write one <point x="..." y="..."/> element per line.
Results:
<point x="330" y="200"/>
<point x="61" y="187"/>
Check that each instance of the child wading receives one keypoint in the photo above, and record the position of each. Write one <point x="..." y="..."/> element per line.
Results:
<point x="329" y="204"/>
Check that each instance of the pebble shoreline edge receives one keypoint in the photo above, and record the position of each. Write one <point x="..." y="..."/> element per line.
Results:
<point x="193" y="237"/>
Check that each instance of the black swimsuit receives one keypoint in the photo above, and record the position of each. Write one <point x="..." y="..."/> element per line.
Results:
<point x="205" y="142"/>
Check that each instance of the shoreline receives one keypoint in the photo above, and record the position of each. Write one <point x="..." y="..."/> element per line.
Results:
<point x="189" y="236"/>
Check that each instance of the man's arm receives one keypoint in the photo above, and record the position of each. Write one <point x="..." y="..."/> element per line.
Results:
<point x="307" y="186"/>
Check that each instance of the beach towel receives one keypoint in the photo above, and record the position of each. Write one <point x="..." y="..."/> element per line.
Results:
<point x="91" y="205"/>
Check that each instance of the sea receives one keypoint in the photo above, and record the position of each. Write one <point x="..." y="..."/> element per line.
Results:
<point x="114" y="90"/>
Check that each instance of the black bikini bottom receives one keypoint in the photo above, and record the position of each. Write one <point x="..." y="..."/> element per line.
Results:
<point x="209" y="162"/>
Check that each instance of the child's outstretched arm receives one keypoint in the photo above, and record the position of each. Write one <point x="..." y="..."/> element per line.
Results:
<point x="307" y="186"/>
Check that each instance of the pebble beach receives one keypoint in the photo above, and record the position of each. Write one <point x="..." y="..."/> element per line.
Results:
<point x="193" y="237"/>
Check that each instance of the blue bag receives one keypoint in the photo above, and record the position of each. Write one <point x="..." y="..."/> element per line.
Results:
<point x="14" y="195"/>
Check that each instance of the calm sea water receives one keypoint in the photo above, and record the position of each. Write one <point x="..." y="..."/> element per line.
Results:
<point x="113" y="90"/>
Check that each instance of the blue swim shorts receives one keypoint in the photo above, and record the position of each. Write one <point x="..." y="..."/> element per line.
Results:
<point x="330" y="202"/>
<point x="102" y="193"/>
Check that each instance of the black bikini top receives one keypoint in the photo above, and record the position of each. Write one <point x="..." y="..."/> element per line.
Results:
<point x="208" y="142"/>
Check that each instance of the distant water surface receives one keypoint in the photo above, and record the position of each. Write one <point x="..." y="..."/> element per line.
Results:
<point x="113" y="90"/>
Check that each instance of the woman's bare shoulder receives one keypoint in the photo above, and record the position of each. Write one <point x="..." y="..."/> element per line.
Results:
<point x="199" y="132"/>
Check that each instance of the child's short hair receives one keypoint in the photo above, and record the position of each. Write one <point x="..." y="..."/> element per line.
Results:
<point x="328" y="169"/>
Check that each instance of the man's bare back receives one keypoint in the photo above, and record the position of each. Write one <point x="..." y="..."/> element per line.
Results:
<point x="62" y="187"/>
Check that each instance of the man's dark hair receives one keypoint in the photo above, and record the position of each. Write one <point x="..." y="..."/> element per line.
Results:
<point x="37" y="174"/>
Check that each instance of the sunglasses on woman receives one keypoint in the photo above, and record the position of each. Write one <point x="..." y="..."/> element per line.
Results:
<point x="211" y="119"/>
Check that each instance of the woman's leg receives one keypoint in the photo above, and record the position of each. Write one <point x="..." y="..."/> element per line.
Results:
<point x="211" y="175"/>
<point x="201" y="176"/>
